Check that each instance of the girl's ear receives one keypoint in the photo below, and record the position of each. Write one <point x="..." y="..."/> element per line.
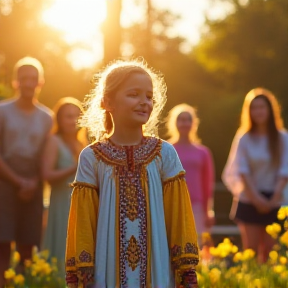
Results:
<point x="108" y="105"/>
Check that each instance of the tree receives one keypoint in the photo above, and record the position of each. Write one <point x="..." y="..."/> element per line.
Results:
<point x="112" y="31"/>
<point x="249" y="47"/>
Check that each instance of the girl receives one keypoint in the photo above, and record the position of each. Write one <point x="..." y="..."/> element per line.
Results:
<point x="59" y="167"/>
<point x="131" y="222"/>
<point x="182" y="125"/>
<point x="257" y="169"/>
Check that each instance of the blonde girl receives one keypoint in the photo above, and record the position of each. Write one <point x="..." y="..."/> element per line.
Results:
<point x="131" y="222"/>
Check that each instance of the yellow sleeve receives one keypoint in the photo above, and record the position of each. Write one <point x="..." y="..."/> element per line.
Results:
<point x="81" y="235"/>
<point x="181" y="231"/>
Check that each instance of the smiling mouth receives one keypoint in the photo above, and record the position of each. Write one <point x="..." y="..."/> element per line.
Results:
<point x="141" y="112"/>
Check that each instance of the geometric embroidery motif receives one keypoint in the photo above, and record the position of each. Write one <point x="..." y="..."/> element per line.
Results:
<point x="133" y="253"/>
<point x="85" y="257"/>
<point x="132" y="202"/>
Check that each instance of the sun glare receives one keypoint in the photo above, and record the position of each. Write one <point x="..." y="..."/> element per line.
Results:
<point x="80" y="22"/>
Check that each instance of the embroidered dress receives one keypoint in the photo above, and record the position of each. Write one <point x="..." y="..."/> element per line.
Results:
<point x="131" y="223"/>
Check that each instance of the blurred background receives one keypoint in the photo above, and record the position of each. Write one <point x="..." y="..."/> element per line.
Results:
<point x="211" y="52"/>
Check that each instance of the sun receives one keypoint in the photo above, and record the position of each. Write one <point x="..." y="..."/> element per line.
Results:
<point x="80" y="22"/>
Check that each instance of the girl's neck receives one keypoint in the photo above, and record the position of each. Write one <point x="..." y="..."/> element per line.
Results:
<point x="68" y="138"/>
<point x="184" y="140"/>
<point x="261" y="130"/>
<point x="127" y="136"/>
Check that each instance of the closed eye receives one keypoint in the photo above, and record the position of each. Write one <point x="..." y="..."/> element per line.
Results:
<point x="134" y="94"/>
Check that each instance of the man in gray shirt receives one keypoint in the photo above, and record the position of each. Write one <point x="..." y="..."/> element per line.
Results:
<point x="24" y="126"/>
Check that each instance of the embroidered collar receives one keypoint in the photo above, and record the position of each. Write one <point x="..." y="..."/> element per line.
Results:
<point x="143" y="153"/>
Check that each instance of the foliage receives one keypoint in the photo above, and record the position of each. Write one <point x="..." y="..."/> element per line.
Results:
<point x="248" y="48"/>
<point x="38" y="272"/>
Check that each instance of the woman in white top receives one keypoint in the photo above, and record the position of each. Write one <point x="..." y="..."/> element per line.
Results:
<point x="257" y="170"/>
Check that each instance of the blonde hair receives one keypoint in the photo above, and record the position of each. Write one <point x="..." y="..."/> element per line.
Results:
<point x="274" y="124"/>
<point x="62" y="102"/>
<point x="171" y="123"/>
<point x="97" y="120"/>
<point x="29" y="61"/>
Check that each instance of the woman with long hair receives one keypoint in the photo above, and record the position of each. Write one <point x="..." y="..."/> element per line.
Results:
<point x="182" y="124"/>
<point x="58" y="169"/>
<point x="257" y="170"/>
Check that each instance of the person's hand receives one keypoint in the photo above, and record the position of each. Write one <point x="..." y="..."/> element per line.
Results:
<point x="209" y="220"/>
<point x="276" y="200"/>
<point x="27" y="189"/>
<point x="263" y="205"/>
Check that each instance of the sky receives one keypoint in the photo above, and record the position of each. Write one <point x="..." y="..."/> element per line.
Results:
<point x="80" y="22"/>
<point x="192" y="13"/>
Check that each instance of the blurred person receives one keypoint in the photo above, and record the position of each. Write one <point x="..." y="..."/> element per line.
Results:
<point x="59" y="166"/>
<point x="24" y="126"/>
<point x="182" y="124"/>
<point x="257" y="170"/>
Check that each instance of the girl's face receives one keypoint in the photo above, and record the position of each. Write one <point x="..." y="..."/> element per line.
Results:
<point x="184" y="123"/>
<point x="68" y="117"/>
<point x="132" y="104"/>
<point x="259" y="111"/>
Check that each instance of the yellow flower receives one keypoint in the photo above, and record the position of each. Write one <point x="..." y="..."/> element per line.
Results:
<point x="239" y="276"/>
<point x="276" y="227"/>
<point x="278" y="268"/>
<point x="284" y="275"/>
<point x="9" y="274"/>
<point x="44" y="254"/>
<point x="234" y="249"/>
<point x="282" y="213"/>
<point x="213" y="251"/>
<point x="273" y="255"/>
<point x="27" y="263"/>
<point x="284" y="238"/>
<point x="19" y="279"/>
<point x="16" y="257"/>
<point x="282" y="260"/>
<point x="256" y="284"/>
<point x="248" y="254"/>
<point x="214" y="275"/>
<point x="237" y="257"/>
<point x="46" y="269"/>
<point x="273" y="230"/>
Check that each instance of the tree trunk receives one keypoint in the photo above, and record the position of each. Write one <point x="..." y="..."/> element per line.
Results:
<point x="112" y="31"/>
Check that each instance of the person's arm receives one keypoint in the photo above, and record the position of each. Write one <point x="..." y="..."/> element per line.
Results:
<point x="179" y="221"/>
<point x="82" y="224"/>
<point x="5" y="171"/>
<point x="208" y="179"/>
<point x="50" y="172"/>
<point x="8" y="174"/>
<point x="282" y="173"/>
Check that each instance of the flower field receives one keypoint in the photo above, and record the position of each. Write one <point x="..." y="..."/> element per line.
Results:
<point x="223" y="266"/>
